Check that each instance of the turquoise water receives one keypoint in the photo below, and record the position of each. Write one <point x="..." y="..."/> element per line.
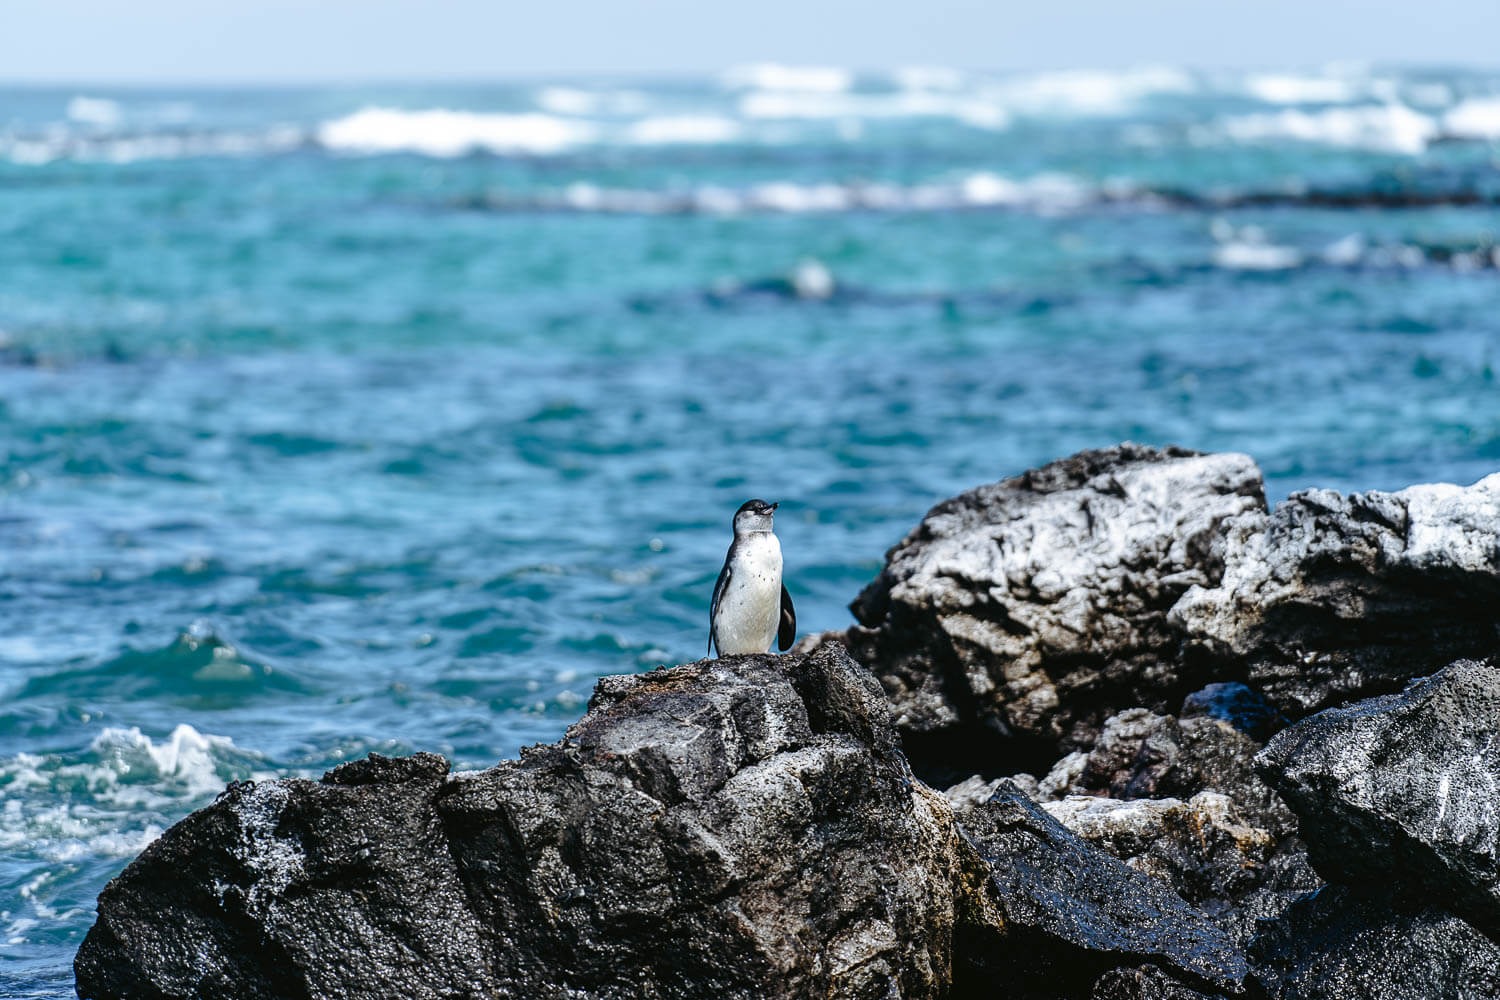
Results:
<point x="388" y="418"/>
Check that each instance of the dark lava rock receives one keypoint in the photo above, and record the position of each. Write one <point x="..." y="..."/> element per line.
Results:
<point x="1034" y="608"/>
<point x="1339" y="944"/>
<point x="742" y="827"/>
<point x="1072" y="912"/>
<point x="1404" y="789"/>
<point x="1331" y="597"/>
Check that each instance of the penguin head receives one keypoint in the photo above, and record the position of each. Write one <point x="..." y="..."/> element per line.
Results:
<point x="754" y="515"/>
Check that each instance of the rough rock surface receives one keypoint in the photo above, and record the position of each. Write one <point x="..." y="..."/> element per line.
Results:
<point x="1201" y="847"/>
<point x="1140" y="754"/>
<point x="1074" y="912"/>
<point x="1037" y="606"/>
<point x="1339" y="944"/>
<point x="1332" y="597"/>
<point x="742" y="827"/>
<point x="1404" y="789"/>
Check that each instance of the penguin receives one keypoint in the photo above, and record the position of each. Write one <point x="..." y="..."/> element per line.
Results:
<point x="751" y="606"/>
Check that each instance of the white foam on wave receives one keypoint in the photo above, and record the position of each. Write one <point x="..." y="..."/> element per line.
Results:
<point x="1475" y="118"/>
<point x="1047" y="192"/>
<point x="1249" y="249"/>
<point x="1386" y="128"/>
<point x="440" y="132"/>
<point x="57" y="145"/>
<point x="669" y="129"/>
<point x="776" y="76"/>
<point x="125" y="767"/>
<point x="969" y="109"/>
<point x="1290" y="88"/>
<point x="1090" y="91"/>
<point x="99" y="111"/>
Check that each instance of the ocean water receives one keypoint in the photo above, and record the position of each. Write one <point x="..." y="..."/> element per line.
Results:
<point x="387" y="418"/>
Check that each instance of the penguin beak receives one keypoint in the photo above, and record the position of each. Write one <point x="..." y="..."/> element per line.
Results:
<point x="776" y="504"/>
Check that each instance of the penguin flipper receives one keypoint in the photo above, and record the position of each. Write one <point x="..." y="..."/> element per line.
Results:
<point x="786" y="629"/>
<point x="720" y="586"/>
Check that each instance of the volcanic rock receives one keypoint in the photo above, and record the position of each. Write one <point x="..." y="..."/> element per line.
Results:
<point x="1036" y="607"/>
<point x="1072" y="912"/>
<point x="742" y="827"/>
<point x="1404" y="789"/>
<point x="1331" y="598"/>
<point x="1342" y="944"/>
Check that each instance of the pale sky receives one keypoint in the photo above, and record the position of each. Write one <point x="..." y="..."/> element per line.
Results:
<point x="276" y="41"/>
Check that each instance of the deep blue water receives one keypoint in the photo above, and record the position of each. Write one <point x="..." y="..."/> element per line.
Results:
<point x="388" y="418"/>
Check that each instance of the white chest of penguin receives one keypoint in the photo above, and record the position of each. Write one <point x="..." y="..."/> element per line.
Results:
<point x="750" y="608"/>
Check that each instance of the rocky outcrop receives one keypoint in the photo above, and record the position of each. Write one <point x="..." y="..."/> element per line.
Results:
<point x="734" y="828"/>
<point x="1036" y="607"/>
<point x="1344" y="944"/>
<point x="1331" y="597"/>
<point x="741" y="827"/>
<point x="749" y="826"/>
<point x="1404" y="789"/>
<point x="1019" y="616"/>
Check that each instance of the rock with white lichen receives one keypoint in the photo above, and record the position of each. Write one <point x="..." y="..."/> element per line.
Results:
<point x="1036" y="607"/>
<point x="1335" y="597"/>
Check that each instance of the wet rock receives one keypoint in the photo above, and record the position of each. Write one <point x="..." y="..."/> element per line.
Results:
<point x="1331" y="597"/>
<point x="1201" y="847"/>
<point x="1031" y="609"/>
<point x="1340" y="944"/>
<point x="742" y="827"/>
<point x="1404" y="789"/>
<point x="1072" y="912"/>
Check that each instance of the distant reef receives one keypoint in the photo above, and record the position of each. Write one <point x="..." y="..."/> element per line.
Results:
<point x="1110" y="730"/>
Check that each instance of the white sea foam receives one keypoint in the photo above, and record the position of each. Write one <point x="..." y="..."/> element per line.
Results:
<point x="972" y="110"/>
<point x="1090" y="91"/>
<point x="668" y="129"/>
<point x="443" y="133"/>
<point x="127" y="767"/>
<point x="1346" y="251"/>
<point x="99" y="111"/>
<point x="1248" y="256"/>
<point x="1476" y="118"/>
<point x="1288" y="88"/>
<point x="1388" y="128"/>
<point x="1249" y="249"/>
<point x="55" y="145"/>
<point x="1048" y="192"/>
<point x="774" y="76"/>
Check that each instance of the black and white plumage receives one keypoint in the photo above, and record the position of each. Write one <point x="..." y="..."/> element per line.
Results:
<point x="751" y="606"/>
